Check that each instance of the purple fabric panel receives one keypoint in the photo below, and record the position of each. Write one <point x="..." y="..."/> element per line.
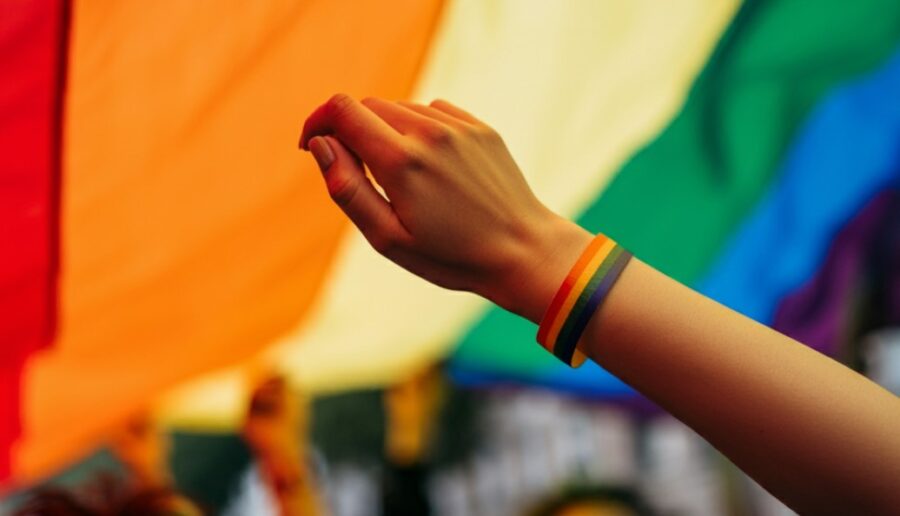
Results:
<point x="817" y="313"/>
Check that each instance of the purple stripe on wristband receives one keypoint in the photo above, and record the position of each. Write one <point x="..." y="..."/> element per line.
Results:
<point x="593" y="304"/>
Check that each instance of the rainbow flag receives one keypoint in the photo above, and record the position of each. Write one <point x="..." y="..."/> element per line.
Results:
<point x="163" y="241"/>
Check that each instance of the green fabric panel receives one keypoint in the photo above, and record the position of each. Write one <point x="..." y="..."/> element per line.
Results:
<point x="676" y="202"/>
<point x="207" y="468"/>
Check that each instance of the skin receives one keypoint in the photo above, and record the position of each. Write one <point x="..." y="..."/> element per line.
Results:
<point x="274" y="430"/>
<point x="143" y="448"/>
<point x="595" y="509"/>
<point x="410" y="407"/>
<point x="459" y="213"/>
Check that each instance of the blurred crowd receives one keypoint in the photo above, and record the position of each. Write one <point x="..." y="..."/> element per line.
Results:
<point x="423" y="446"/>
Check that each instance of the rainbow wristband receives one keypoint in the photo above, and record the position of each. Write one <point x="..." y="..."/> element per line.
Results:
<point x="579" y="296"/>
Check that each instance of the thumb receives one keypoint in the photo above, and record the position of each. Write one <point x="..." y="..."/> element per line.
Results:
<point x="355" y="194"/>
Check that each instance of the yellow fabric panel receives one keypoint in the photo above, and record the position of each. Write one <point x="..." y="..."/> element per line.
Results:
<point x="575" y="88"/>
<point x="194" y="232"/>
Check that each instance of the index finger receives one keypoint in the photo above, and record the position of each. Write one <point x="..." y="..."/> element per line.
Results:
<point x="361" y="130"/>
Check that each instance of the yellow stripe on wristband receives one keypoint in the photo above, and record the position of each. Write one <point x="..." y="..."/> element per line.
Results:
<point x="581" y="293"/>
<point x="578" y="287"/>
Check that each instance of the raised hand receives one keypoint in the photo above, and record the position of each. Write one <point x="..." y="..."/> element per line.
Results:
<point x="456" y="209"/>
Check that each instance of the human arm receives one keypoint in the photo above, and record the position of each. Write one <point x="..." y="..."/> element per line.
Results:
<point x="276" y="431"/>
<point x="814" y="433"/>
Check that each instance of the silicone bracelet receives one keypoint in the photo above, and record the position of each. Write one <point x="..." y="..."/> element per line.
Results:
<point x="578" y="298"/>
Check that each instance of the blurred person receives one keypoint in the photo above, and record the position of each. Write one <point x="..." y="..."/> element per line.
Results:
<point x="146" y="490"/>
<point x="276" y="430"/>
<point x="458" y="212"/>
<point x="411" y="409"/>
<point x="106" y="499"/>
<point x="143" y="448"/>
<point x="592" y="501"/>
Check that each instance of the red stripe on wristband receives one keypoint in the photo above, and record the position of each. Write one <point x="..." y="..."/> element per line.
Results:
<point x="580" y="295"/>
<point x="553" y="310"/>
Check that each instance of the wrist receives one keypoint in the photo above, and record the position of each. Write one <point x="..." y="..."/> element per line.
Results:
<point x="543" y="255"/>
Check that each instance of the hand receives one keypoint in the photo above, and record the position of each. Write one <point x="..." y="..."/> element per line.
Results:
<point x="457" y="210"/>
<point x="275" y="423"/>
<point x="143" y="448"/>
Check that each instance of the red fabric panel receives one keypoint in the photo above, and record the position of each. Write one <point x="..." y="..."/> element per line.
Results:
<point x="32" y="40"/>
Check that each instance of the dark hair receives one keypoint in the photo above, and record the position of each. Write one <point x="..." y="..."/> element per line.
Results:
<point x="52" y="501"/>
<point x="105" y="497"/>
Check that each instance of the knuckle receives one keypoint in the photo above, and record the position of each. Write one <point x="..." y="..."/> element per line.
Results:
<point x="338" y="104"/>
<point x="486" y="133"/>
<point x="410" y="158"/>
<point x="436" y="134"/>
<point x="342" y="191"/>
<point x="383" y="244"/>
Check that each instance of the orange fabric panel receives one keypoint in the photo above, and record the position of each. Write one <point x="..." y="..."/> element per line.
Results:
<point x="193" y="231"/>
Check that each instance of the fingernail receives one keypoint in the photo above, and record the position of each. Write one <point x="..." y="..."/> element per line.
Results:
<point x="322" y="152"/>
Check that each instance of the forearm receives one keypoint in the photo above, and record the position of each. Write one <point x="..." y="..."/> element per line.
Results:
<point x="814" y="433"/>
<point x="810" y="430"/>
<point x="290" y="483"/>
<point x="458" y="212"/>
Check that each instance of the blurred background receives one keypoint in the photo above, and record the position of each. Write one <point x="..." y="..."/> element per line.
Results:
<point x="182" y="309"/>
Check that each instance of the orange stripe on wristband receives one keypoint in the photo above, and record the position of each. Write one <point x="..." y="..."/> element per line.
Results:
<point x="577" y="288"/>
<point x="566" y="287"/>
<point x="571" y="288"/>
